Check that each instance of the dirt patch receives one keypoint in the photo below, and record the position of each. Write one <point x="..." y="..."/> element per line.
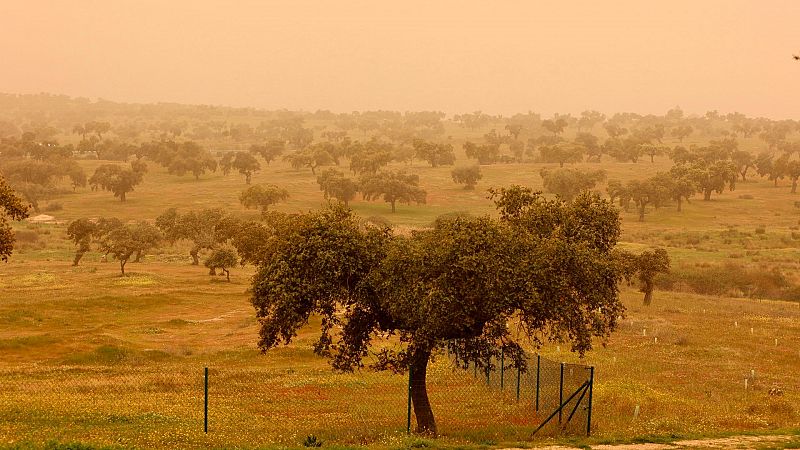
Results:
<point x="733" y="442"/>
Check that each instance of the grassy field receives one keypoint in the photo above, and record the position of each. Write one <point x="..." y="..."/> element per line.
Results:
<point x="143" y="340"/>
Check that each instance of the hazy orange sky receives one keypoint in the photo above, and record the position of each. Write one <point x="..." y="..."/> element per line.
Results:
<point x="499" y="57"/>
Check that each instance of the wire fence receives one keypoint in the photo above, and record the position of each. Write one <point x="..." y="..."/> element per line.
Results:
<point x="554" y="397"/>
<point x="171" y="406"/>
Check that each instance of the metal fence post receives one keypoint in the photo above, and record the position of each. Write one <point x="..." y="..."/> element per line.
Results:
<point x="408" y="407"/>
<point x="519" y="375"/>
<point x="561" y="391"/>
<point x="205" y="405"/>
<point x="538" y="365"/>
<point x="589" y="416"/>
<point x="502" y="370"/>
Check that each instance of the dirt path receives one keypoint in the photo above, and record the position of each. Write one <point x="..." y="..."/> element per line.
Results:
<point x="733" y="442"/>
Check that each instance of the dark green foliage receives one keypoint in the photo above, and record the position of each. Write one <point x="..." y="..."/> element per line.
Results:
<point x="11" y="207"/>
<point x="123" y="241"/>
<point x="393" y="187"/>
<point x="435" y="154"/>
<point x="244" y="162"/>
<point x="544" y="264"/>
<point x="334" y="185"/>
<point x="484" y="153"/>
<point x="467" y="175"/>
<point x="223" y="259"/>
<point x="81" y="231"/>
<point x="561" y="153"/>
<point x="644" y="266"/>
<point x="370" y="157"/>
<point x="312" y="441"/>
<point x="269" y="151"/>
<point x="262" y="196"/>
<point x="202" y="228"/>
<point x="118" y="180"/>
<point x="568" y="183"/>
<point x="312" y="156"/>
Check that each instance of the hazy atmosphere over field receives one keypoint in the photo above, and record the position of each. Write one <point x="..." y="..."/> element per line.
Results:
<point x="454" y="56"/>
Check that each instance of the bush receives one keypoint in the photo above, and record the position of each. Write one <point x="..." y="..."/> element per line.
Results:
<point x="730" y="279"/>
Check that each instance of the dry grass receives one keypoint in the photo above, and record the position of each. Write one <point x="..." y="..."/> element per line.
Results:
<point x="148" y="335"/>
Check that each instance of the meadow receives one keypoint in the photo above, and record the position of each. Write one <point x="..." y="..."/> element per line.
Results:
<point x="144" y="339"/>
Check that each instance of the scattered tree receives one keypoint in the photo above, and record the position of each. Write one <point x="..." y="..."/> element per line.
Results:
<point x="467" y="175"/>
<point x="244" y="162"/>
<point x="118" y="180"/>
<point x="333" y="184"/>
<point x="223" y="259"/>
<point x="393" y="187"/>
<point x="545" y="264"/>
<point x="568" y="183"/>
<point x="81" y="232"/>
<point x="435" y="154"/>
<point x="269" y="151"/>
<point x="262" y="196"/>
<point x="11" y="207"/>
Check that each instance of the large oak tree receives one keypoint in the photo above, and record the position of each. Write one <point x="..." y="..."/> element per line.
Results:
<point x="474" y="285"/>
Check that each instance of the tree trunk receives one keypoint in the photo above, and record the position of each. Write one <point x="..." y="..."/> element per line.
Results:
<point x="707" y="195"/>
<point x="138" y="256"/>
<point x="195" y="257"/>
<point x="78" y="256"/>
<point x="227" y="274"/>
<point x="794" y="185"/>
<point x="212" y="271"/>
<point x="392" y="202"/>
<point x="122" y="265"/>
<point x="426" y="424"/>
<point x="651" y="158"/>
<point x="648" y="293"/>
<point x="122" y="197"/>
<point x="641" y="213"/>
<point x="248" y="178"/>
<point x="679" y="204"/>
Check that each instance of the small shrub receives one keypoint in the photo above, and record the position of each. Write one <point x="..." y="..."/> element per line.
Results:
<point x="730" y="279"/>
<point x="312" y="441"/>
<point x="746" y="197"/>
<point x="761" y="230"/>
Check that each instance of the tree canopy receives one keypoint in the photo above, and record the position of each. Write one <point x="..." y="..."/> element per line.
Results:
<point x="262" y="196"/>
<point x="568" y="183"/>
<point x="544" y="265"/>
<point x="393" y="186"/>
<point x="117" y="179"/>
<point x="11" y="207"/>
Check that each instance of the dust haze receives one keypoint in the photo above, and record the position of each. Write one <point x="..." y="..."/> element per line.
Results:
<point x="631" y="56"/>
